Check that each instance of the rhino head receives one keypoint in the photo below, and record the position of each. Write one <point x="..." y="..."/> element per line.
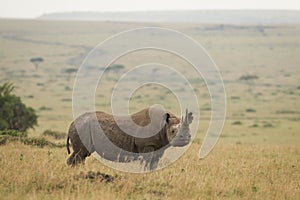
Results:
<point x="178" y="131"/>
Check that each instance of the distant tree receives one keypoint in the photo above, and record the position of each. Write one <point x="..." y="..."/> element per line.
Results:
<point x="249" y="79"/>
<point x="14" y="115"/>
<point x="115" y="68"/>
<point x="70" y="71"/>
<point x="36" y="61"/>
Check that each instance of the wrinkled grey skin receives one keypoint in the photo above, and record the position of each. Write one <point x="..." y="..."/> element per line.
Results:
<point x="174" y="132"/>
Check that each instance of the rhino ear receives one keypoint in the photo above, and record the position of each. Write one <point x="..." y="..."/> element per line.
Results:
<point x="167" y="117"/>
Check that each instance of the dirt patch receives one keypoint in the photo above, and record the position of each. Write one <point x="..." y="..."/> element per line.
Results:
<point x="95" y="176"/>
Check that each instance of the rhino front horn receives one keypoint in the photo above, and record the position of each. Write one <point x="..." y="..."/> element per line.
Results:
<point x="186" y="116"/>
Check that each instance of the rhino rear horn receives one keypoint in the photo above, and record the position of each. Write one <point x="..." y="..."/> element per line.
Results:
<point x="188" y="117"/>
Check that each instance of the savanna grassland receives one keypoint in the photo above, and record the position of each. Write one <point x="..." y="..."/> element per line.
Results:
<point x="256" y="157"/>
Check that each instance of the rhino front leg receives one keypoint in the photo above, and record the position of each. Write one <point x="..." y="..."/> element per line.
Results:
<point x="153" y="164"/>
<point x="150" y="159"/>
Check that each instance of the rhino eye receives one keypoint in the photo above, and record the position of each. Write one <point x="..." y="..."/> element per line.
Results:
<point x="173" y="131"/>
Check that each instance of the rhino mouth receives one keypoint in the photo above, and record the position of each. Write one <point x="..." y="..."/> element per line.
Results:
<point x="180" y="142"/>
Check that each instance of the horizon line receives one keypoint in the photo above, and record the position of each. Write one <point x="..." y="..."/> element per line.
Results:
<point x="150" y="10"/>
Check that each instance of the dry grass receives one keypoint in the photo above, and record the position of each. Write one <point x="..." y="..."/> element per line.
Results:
<point x="231" y="171"/>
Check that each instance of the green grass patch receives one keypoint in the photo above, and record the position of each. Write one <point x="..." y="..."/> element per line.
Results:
<point x="13" y="133"/>
<point x="287" y="112"/>
<point x="45" y="108"/>
<point x="54" y="134"/>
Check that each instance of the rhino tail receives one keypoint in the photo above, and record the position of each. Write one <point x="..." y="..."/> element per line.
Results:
<point x="68" y="145"/>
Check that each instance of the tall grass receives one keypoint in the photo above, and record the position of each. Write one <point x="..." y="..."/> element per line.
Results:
<point x="229" y="172"/>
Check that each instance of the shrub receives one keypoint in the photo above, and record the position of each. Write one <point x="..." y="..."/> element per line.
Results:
<point x="42" y="108"/>
<point x="14" y="114"/>
<point x="248" y="77"/>
<point x="13" y="133"/>
<point x="39" y="142"/>
<point x="254" y="126"/>
<point x="237" y="123"/>
<point x="66" y="100"/>
<point x="235" y="97"/>
<point x="287" y="112"/>
<point x="250" y="110"/>
<point x="268" y="125"/>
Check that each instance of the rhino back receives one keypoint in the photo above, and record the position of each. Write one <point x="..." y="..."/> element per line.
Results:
<point x="126" y="141"/>
<point x="114" y="133"/>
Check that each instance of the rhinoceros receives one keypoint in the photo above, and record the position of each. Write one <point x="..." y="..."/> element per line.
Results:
<point x="86" y="139"/>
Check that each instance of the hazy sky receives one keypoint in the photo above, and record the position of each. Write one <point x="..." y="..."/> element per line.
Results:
<point x="33" y="8"/>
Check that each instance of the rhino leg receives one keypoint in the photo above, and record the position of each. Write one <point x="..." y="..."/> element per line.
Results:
<point x="151" y="159"/>
<point x="70" y="160"/>
<point x="77" y="158"/>
<point x="153" y="164"/>
<point x="80" y="151"/>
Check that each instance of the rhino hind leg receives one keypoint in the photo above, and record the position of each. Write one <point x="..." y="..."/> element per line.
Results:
<point x="80" y="152"/>
<point x="77" y="158"/>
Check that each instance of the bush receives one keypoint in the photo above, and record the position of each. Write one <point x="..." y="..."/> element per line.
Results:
<point x="13" y="133"/>
<point x="268" y="125"/>
<point x="248" y="77"/>
<point x="237" y="123"/>
<point x="250" y="110"/>
<point x="43" y="108"/>
<point x="235" y="97"/>
<point x="14" y="114"/>
<point x="39" y="142"/>
<point x="254" y="126"/>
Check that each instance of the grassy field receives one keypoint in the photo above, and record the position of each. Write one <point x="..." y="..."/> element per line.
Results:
<point x="231" y="171"/>
<point x="257" y="156"/>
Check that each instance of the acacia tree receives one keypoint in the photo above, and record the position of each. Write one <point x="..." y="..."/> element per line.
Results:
<point x="36" y="61"/>
<point x="249" y="79"/>
<point x="14" y="114"/>
<point x="70" y="71"/>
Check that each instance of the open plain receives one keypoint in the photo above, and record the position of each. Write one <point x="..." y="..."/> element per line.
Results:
<point x="256" y="157"/>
